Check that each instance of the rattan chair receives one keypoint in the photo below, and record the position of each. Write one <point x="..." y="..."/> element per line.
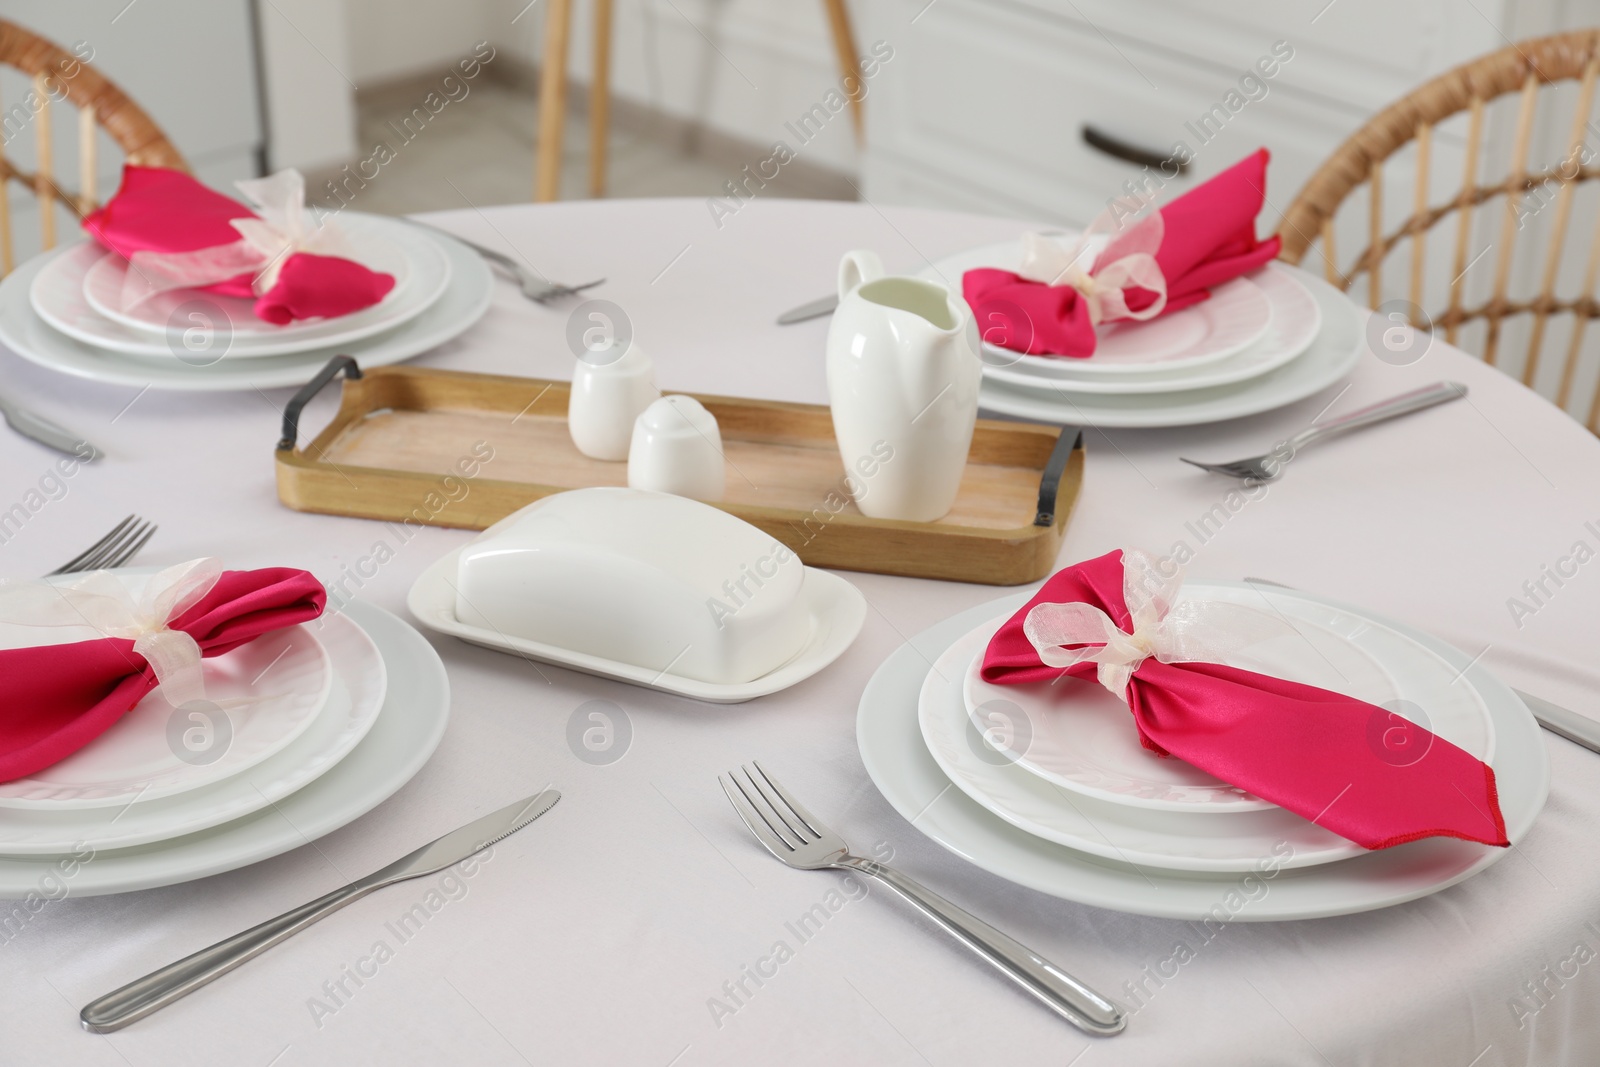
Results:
<point x="58" y="75"/>
<point x="1530" y="75"/>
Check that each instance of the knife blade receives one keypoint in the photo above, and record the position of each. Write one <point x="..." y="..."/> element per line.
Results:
<point x="815" y="309"/>
<point x="176" y="980"/>
<point x="1579" y="729"/>
<point x="46" y="432"/>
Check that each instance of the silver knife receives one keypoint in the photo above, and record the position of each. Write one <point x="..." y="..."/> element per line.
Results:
<point x="159" y="988"/>
<point x="1579" y="729"/>
<point x="46" y="432"/>
<point x="813" y="310"/>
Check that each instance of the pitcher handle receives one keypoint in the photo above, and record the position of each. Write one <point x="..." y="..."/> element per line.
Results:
<point x="857" y="268"/>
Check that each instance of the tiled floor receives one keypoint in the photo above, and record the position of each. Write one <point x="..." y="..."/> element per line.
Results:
<point x="479" y="151"/>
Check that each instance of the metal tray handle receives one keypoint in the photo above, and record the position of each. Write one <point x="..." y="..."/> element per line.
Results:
<point x="291" y="414"/>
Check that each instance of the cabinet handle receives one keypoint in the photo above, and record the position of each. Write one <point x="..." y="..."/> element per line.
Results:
<point x="1117" y="148"/>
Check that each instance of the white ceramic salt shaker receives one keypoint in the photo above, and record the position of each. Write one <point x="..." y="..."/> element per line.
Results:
<point x="677" y="448"/>
<point x="608" y="394"/>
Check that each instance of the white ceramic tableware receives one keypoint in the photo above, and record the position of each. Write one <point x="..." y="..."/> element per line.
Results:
<point x="79" y="293"/>
<point x="265" y="695"/>
<point x="1077" y="735"/>
<point x="903" y="377"/>
<point x="354" y="701"/>
<point x="900" y="765"/>
<point x="608" y="396"/>
<point x="834" y="610"/>
<point x="1296" y="320"/>
<point x="1234" y="317"/>
<point x="1328" y="360"/>
<point x="650" y="579"/>
<point x="1179" y="841"/>
<point x="23" y="332"/>
<point x="416" y="708"/>
<point x="677" y="448"/>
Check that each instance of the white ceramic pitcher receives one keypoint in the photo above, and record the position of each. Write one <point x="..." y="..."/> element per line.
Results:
<point x="903" y="374"/>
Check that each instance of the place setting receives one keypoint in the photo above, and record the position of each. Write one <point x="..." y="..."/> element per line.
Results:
<point x="178" y="286"/>
<point x="191" y="719"/>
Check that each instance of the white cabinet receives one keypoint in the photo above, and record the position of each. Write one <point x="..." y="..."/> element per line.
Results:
<point x="987" y="102"/>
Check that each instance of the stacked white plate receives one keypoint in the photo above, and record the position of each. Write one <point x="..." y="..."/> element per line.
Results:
<point x="303" y="730"/>
<point x="64" y="310"/>
<point x="1259" y="342"/>
<point x="1047" y="785"/>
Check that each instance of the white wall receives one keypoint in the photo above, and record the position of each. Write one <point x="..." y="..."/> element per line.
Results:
<point x="309" y="84"/>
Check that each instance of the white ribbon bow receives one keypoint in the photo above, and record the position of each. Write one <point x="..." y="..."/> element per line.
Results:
<point x="1127" y="261"/>
<point x="1170" y="631"/>
<point x="103" y="603"/>
<point x="281" y="227"/>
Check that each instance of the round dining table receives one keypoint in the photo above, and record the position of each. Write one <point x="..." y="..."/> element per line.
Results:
<point x="639" y="922"/>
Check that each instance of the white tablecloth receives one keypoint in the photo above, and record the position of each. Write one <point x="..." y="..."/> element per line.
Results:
<point x="606" y="932"/>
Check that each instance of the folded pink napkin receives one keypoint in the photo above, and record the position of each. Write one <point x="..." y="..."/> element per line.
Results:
<point x="168" y="214"/>
<point x="55" y="699"/>
<point x="1306" y="749"/>
<point x="1208" y="236"/>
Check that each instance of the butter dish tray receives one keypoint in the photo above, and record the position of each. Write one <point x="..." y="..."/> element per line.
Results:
<point x="836" y="610"/>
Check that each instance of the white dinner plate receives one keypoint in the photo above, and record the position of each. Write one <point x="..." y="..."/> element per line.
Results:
<point x="1329" y="359"/>
<point x="1235" y="315"/>
<point x="1165" y="839"/>
<point x="392" y="246"/>
<point x="1075" y="734"/>
<point x="354" y="701"/>
<point x="22" y="331"/>
<point x="900" y="765"/>
<point x="836" y="609"/>
<point x="270" y="691"/>
<point x="415" y="710"/>
<point x="1296" y="319"/>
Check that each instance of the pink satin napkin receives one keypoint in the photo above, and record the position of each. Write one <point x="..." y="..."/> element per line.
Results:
<point x="177" y="233"/>
<point x="55" y="699"/>
<point x="1205" y="237"/>
<point x="1314" y="752"/>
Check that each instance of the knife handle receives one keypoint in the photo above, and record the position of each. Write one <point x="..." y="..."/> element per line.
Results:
<point x="159" y="988"/>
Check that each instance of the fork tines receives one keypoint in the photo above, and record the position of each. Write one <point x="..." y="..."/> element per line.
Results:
<point x="114" y="549"/>
<point x="779" y="821"/>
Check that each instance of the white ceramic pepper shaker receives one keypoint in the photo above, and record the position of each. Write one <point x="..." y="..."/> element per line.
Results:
<point x="677" y="448"/>
<point x="608" y="394"/>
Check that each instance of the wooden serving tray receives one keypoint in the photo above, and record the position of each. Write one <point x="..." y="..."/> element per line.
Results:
<point x="447" y="448"/>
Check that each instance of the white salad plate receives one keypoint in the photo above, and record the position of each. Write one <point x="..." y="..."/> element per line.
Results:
<point x="389" y="245"/>
<point x="416" y="707"/>
<point x="354" y="701"/>
<point x="1328" y="360"/>
<point x="1164" y="839"/>
<point x="1234" y="317"/>
<point x="271" y="690"/>
<point x="463" y="303"/>
<point x="835" y="608"/>
<point x="1076" y="735"/>
<point x="1296" y="318"/>
<point x="898" y="761"/>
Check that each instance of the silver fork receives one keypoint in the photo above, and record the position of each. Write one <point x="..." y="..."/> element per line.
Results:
<point x="534" y="287"/>
<point x="1266" y="468"/>
<point x="795" y="836"/>
<point x="114" y="549"/>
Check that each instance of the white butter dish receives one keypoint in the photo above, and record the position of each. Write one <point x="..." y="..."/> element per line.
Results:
<point x="644" y="587"/>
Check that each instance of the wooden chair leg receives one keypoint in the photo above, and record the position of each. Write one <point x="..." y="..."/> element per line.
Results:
<point x="844" y="45"/>
<point x="600" y="99"/>
<point x="552" y="101"/>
